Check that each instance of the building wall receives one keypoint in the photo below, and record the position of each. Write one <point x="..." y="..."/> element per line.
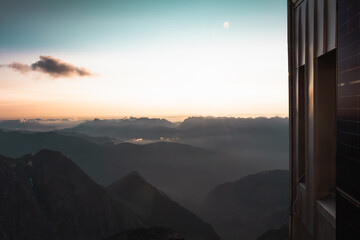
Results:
<point x="348" y="115"/>
<point x="324" y="94"/>
<point x="312" y="74"/>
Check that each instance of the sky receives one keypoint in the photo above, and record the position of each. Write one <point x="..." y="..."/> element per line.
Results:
<point x="117" y="58"/>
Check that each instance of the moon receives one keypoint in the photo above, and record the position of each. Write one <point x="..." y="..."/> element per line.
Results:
<point x="226" y="25"/>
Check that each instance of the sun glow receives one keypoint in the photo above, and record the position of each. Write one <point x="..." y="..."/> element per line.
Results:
<point x="179" y="80"/>
<point x="142" y="65"/>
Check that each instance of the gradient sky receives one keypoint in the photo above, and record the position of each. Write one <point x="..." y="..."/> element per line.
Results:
<point x="149" y="58"/>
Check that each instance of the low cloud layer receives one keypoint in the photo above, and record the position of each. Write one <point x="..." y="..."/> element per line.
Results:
<point x="51" y="66"/>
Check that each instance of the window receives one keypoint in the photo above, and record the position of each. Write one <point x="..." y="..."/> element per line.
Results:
<point x="325" y="120"/>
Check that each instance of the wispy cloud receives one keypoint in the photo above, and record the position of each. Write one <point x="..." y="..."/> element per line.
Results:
<point x="23" y="68"/>
<point x="51" y="66"/>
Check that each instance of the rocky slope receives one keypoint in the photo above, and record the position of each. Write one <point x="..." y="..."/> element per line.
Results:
<point x="158" y="209"/>
<point x="47" y="196"/>
<point x="249" y="206"/>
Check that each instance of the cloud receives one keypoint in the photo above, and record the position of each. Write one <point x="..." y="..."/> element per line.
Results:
<point x="23" y="68"/>
<point x="51" y="66"/>
<point x="58" y="68"/>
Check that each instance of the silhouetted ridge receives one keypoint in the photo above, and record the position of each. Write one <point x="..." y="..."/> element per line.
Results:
<point x="172" y="167"/>
<point x="53" y="159"/>
<point x="263" y="190"/>
<point x="129" y="184"/>
<point x="135" y="189"/>
<point x="158" y="209"/>
<point x="135" y="174"/>
<point x="46" y="196"/>
<point x="5" y="161"/>
<point x="249" y="206"/>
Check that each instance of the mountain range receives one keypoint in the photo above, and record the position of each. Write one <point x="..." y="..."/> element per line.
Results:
<point x="249" y="206"/>
<point x="47" y="196"/>
<point x="236" y="137"/>
<point x="201" y="163"/>
<point x="186" y="171"/>
<point x="31" y="125"/>
<point x="38" y="125"/>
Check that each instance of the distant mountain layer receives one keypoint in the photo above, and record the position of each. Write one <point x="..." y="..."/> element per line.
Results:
<point x="38" y="125"/>
<point x="46" y="196"/>
<point x="31" y="125"/>
<point x="129" y="122"/>
<point x="236" y="137"/>
<point x="249" y="206"/>
<point x="97" y="140"/>
<point x="185" y="171"/>
<point x="126" y="129"/>
<point x="239" y="137"/>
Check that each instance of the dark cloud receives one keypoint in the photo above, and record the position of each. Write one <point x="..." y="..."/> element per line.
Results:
<point x="52" y="66"/>
<point x="58" y="68"/>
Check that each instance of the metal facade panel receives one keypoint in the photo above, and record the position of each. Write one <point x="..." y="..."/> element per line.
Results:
<point x="310" y="120"/>
<point x="330" y="25"/>
<point x="314" y="34"/>
<point x="297" y="36"/>
<point x="319" y="15"/>
<point x="302" y="33"/>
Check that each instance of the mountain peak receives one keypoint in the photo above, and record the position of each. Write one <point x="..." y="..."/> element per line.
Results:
<point x="48" y="159"/>
<point x="48" y="152"/>
<point x="129" y="183"/>
<point x="135" y="180"/>
<point x="5" y="165"/>
<point x="134" y="174"/>
<point x="5" y="159"/>
<point x="158" y="209"/>
<point x="57" y="200"/>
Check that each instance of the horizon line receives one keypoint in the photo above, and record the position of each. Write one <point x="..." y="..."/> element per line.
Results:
<point x="171" y="118"/>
